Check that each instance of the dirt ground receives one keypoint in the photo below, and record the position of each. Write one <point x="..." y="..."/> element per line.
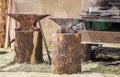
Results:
<point x="91" y="69"/>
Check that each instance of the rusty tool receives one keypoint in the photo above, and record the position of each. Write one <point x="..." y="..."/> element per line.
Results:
<point x="66" y="23"/>
<point x="27" y="20"/>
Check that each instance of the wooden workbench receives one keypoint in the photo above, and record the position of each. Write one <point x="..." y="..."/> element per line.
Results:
<point x="101" y="37"/>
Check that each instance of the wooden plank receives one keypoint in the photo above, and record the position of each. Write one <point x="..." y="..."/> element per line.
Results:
<point x="9" y="7"/>
<point x="101" y="19"/>
<point x="33" y="6"/>
<point x="100" y="37"/>
<point x="13" y="24"/>
<point x="2" y="21"/>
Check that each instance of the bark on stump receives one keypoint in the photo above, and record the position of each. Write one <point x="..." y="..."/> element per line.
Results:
<point x="86" y="52"/>
<point x="66" y="54"/>
<point x="28" y="46"/>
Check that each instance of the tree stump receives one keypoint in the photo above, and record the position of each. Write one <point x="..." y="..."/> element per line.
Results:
<point x="28" y="46"/>
<point x="86" y="52"/>
<point x="26" y="43"/>
<point x="66" y="54"/>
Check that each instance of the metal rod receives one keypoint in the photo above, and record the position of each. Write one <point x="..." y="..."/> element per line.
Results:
<point x="46" y="47"/>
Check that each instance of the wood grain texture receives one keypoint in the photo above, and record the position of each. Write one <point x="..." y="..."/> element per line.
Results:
<point x="66" y="54"/>
<point x="3" y="7"/>
<point x="28" y="49"/>
<point x="100" y="37"/>
<point x="86" y="52"/>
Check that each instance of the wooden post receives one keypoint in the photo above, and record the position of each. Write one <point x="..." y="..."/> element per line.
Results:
<point x="26" y="46"/>
<point x="13" y="24"/>
<point x="10" y="25"/>
<point x="3" y="7"/>
<point x="7" y="35"/>
<point x="86" y="52"/>
<point x="66" y="54"/>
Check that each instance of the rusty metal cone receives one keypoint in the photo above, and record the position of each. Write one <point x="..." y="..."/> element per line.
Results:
<point x="27" y="20"/>
<point x="67" y="22"/>
<point x="20" y="17"/>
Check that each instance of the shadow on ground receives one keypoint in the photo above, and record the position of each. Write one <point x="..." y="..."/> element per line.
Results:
<point x="3" y="52"/>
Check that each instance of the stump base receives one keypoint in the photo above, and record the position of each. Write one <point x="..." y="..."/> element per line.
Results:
<point x="28" y="47"/>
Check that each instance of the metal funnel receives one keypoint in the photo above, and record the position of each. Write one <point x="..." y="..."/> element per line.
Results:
<point x="67" y="22"/>
<point x="27" y="20"/>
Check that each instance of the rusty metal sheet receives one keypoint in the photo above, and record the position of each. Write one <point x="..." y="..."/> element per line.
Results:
<point x="100" y="37"/>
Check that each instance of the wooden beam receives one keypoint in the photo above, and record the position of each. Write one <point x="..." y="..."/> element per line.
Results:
<point x="9" y="4"/>
<point x="100" y="37"/>
<point x="44" y="39"/>
<point x="13" y="24"/>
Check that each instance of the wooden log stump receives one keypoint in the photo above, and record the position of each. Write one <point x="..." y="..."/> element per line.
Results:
<point x="66" y="54"/>
<point x="28" y="46"/>
<point x="86" y="52"/>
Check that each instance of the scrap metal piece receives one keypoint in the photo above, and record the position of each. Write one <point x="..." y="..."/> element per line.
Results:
<point x="27" y="20"/>
<point x="114" y="9"/>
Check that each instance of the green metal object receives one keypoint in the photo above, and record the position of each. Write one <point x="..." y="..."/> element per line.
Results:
<point x="98" y="26"/>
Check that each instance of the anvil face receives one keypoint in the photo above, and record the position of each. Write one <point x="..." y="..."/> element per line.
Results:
<point x="66" y="22"/>
<point x="27" y="20"/>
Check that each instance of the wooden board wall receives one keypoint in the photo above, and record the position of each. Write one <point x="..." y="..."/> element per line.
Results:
<point x="57" y="8"/>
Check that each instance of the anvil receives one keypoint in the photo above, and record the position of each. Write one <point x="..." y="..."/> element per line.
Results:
<point x="27" y="21"/>
<point x="66" y="23"/>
